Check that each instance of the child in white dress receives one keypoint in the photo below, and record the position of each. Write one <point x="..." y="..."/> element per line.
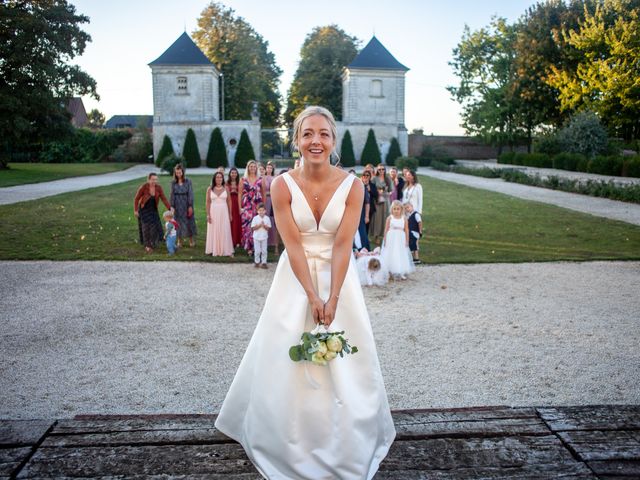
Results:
<point x="395" y="250"/>
<point x="371" y="268"/>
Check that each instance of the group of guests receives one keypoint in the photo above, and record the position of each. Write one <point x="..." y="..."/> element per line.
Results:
<point x="240" y="215"/>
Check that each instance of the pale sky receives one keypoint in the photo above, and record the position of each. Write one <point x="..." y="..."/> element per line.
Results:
<point x="421" y="34"/>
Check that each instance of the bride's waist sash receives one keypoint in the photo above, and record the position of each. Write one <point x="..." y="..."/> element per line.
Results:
<point x="318" y="245"/>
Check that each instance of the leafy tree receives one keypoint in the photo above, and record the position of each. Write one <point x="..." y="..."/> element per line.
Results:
<point x="96" y="118"/>
<point x="347" y="157"/>
<point x="37" y="39"/>
<point x="484" y="62"/>
<point x="245" y="152"/>
<point x="394" y="152"/>
<point x="217" y="152"/>
<point x="165" y="150"/>
<point x="249" y="68"/>
<point x="190" y="152"/>
<point x="584" y="134"/>
<point x="370" y="152"/>
<point x="318" y="80"/>
<point x="606" y="77"/>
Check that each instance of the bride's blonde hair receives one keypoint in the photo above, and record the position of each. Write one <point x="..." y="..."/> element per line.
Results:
<point x="309" y="112"/>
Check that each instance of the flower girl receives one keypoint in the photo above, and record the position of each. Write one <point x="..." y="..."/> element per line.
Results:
<point x="395" y="250"/>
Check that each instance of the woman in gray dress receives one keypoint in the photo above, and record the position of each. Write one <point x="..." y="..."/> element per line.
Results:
<point x="182" y="202"/>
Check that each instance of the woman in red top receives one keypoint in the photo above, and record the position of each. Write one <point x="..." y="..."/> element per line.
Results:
<point x="233" y="189"/>
<point x="145" y="208"/>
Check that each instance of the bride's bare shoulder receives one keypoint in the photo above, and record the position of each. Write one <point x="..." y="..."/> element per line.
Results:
<point x="280" y="188"/>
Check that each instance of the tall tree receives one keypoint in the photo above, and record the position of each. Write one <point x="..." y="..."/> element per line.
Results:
<point x="484" y="63"/>
<point x="318" y="80"/>
<point x="96" y="118"/>
<point x="243" y="56"/>
<point x="37" y="40"/>
<point x="347" y="157"/>
<point x="606" y="77"/>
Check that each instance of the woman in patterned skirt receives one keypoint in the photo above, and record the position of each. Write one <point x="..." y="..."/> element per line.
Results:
<point x="145" y="208"/>
<point x="250" y="196"/>
<point x="233" y="188"/>
<point x="182" y="202"/>
<point x="383" y="184"/>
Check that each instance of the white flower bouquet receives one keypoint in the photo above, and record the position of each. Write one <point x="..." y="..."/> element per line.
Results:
<point x="320" y="346"/>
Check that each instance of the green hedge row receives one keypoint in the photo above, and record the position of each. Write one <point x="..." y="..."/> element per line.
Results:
<point x="84" y="146"/>
<point x="615" y="165"/>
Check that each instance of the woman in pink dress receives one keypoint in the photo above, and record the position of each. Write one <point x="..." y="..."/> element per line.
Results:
<point x="233" y="190"/>
<point x="219" y="242"/>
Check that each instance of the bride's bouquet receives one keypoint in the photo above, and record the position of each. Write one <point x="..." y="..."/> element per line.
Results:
<point x="320" y="346"/>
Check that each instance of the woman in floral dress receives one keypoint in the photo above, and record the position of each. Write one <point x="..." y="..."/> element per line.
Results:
<point x="266" y="180"/>
<point x="250" y="196"/>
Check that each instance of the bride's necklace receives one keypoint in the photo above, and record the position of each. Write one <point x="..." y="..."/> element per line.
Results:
<point x="304" y="184"/>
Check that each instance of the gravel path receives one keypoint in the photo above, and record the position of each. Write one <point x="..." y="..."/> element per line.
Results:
<point x="113" y="337"/>
<point x="600" y="207"/>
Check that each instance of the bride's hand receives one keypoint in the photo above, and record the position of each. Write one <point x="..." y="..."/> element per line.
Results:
<point x="330" y="310"/>
<point x="317" y="309"/>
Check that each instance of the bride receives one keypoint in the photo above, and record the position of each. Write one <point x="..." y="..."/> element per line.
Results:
<point x="298" y="420"/>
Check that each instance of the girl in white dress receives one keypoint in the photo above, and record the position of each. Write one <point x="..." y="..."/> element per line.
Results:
<point x="297" y="420"/>
<point x="395" y="251"/>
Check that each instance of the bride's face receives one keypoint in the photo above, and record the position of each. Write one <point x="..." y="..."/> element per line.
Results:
<point x="316" y="140"/>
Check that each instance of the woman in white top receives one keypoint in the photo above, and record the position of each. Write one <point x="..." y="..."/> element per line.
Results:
<point x="412" y="191"/>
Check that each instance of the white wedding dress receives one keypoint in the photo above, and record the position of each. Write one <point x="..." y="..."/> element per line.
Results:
<point x="297" y="420"/>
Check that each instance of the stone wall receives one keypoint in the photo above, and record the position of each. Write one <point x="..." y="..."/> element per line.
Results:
<point x="364" y="103"/>
<point x="384" y="134"/>
<point x="231" y="129"/>
<point x="463" y="148"/>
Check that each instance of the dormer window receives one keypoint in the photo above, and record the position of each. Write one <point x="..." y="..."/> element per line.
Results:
<point x="182" y="85"/>
<point x="376" y="88"/>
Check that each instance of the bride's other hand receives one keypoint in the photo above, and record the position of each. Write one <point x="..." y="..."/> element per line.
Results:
<point x="317" y="310"/>
<point x="330" y="310"/>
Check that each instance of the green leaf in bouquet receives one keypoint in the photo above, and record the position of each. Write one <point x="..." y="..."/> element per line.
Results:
<point x="295" y="353"/>
<point x="354" y="350"/>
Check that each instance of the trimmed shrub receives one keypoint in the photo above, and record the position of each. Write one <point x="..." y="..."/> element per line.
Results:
<point x="631" y="166"/>
<point x="506" y="158"/>
<point x="170" y="161"/>
<point x="191" y="153"/>
<point x="409" y="162"/>
<point x="217" y="151"/>
<point x="370" y="152"/>
<point x="436" y="165"/>
<point x="394" y="152"/>
<point x="165" y="150"/>
<point x="245" y="152"/>
<point x="347" y="157"/>
<point x="568" y="161"/>
<point x="603" y="165"/>
<point x="84" y="146"/>
<point x="429" y="154"/>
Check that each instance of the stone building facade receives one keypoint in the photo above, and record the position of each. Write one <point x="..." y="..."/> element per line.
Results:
<point x="186" y="95"/>
<point x="373" y="97"/>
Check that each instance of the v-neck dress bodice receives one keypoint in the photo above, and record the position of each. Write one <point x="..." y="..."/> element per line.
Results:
<point x="297" y="420"/>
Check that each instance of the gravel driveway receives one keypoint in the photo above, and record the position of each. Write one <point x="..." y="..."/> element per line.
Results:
<point x="143" y="337"/>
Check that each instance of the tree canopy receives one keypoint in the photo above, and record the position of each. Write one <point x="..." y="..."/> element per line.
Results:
<point x="318" y="80"/>
<point x="558" y="59"/>
<point x="37" y="40"/>
<point x="243" y="56"/>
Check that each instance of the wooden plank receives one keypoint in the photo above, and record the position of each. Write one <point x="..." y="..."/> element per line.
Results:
<point x="138" y="437"/>
<point x="15" y="433"/>
<point x="564" y="471"/>
<point x="488" y="423"/>
<point x="138" y="423"/>
<point x="603" y="445"/>
<point x="221" y="459"/>
<point x="545" y="452"/>
<point x="616" y="468"/>
<point x="10" y="458"/>
<point x="599" y="417"/>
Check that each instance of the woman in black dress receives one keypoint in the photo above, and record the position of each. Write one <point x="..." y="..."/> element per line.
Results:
<point x="182" y="201"/>
<point x="370" y="189"/>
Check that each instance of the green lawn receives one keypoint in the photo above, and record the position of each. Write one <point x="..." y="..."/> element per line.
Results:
<point x="22" y="173"/>
<point x="462" y="224"/>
